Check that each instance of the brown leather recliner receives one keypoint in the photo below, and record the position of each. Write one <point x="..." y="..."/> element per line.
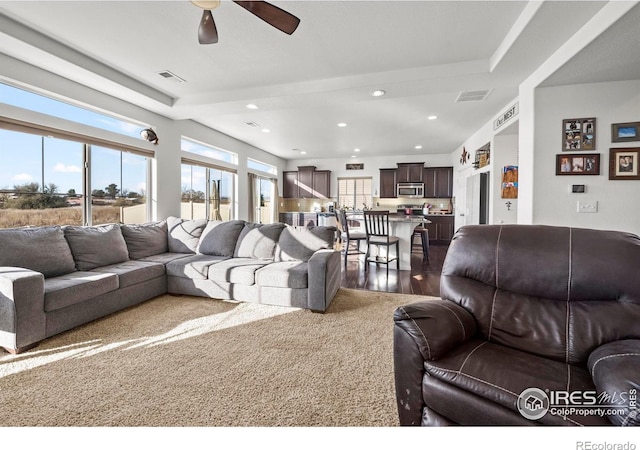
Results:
<point x="536" y="325"/>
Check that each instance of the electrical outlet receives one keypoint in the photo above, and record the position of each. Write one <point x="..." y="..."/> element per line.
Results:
<point x="588" y="207"/>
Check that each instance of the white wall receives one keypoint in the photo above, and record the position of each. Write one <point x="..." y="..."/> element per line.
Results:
<point x="504" y="153"/>
<point x="553" y="204"/>
<point x="166" y="166"/>
<point x="372" y="166"/>
<point x="504" y="150"/>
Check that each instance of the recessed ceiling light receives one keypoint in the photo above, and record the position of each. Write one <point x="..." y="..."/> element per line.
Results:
<point x="356" y="149"/>
<point x="418" y="147"/>
<point x="342" y="124"/>
<point x="353" y="156"/>
<point x="266" y="130"/>
<point x="378" y="93"/>
<point x="252" y="106"/>
<point x="432" y="117"/>
<point x="302" y="152"/>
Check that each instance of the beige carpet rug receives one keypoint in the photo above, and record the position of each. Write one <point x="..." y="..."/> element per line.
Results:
<point x="187" y="361"/>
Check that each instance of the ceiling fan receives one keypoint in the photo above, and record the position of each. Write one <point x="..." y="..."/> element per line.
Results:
<point x="274" y="16"/>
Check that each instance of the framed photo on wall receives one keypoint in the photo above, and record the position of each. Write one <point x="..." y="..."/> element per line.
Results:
<point x="623" y="163"/>
<point x="579" y="134"/>
<point x="624" y="132"/>
<point x="578" y="164"/>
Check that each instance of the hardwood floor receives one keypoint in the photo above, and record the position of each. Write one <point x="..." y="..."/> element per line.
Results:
<point x="422" y="279"/>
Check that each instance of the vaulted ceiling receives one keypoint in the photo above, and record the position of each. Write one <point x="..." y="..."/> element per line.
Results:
<point x="423" y="54"/>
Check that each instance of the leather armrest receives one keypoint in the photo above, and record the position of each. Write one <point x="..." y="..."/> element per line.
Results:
<point x="615" y="370"/>
<point x="423" y="330"/>
<point x="436" y="326"/>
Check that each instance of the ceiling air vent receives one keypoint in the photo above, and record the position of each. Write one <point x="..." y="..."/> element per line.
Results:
<point x="171" y="76"/>
<point x="473" y="96"/>
<point x="252" y="124"/>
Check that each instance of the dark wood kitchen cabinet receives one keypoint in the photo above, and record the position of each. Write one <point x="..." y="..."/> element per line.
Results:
<point x="388" y="183"/>
<point x="440" y="229"/>
<point x="322" y="183"/>
<point x="410" y="172"/>
<point x="438" y="182"/>
<point x="306" y="182"/>
<point x="290" y="185"/>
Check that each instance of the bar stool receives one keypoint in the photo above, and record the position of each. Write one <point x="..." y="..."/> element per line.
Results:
<point x="423" y="232"/>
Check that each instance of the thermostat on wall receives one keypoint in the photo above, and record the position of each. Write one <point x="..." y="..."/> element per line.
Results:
<point x="578" y="188"/>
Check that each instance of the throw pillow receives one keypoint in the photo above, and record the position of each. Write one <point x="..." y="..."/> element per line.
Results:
<point x="299" y="243"/>
<point x="43" y="249"/>
<point x="258" y="240"/>
<point x="146" y="240"/>
<point x="184" y="234"/>
<point x="219" y="238"/>
<point x="96" y="246"/>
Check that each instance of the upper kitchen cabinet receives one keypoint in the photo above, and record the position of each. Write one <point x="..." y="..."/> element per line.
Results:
<point x="322" y="183"/>
<point x="290" y="185"/>
<point x="410" y="173"/>
<point x="388" y="183"/>
<point x="306" y="182"/>
<point x="438" y="182"/>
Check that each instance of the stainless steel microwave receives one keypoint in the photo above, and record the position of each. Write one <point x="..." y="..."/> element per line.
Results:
<point x="411" y="190"/>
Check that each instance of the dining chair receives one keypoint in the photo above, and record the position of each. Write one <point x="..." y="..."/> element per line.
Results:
<point x="348" y="237"/>
<point x="376" y="225"/>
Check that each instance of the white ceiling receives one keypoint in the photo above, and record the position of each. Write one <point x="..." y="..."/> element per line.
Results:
<point x="423" y="53"/>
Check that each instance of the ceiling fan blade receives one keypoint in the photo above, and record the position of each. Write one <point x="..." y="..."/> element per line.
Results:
<point x="271" y="14"/>
<point x="207" y="31"/>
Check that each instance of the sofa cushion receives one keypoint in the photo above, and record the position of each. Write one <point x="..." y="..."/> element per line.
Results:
<point x="164" y="258"/>
<point x="76" y="287"/>
<point x="299" y="243"/>
<point x="219" y="238"/>
<point x="236" y="270"/>
<point x="133" y="272"/>
<point x="184" y="234"/>
<point x="43" y="249"/>
<point x="258" y="240"/>
<point x="147" y="239"/>
<point x="194" y="266"/>
<point x="96" y="246"/>
<point x="286" y="274"/>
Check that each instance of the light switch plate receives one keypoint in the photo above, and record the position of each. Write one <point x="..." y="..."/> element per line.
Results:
<point x="587" y="207"/>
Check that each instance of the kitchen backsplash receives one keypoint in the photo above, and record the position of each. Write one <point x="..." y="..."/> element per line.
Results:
<point x="322" y="205"/>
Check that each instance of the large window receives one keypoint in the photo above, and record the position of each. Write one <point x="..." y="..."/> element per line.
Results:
<point x="262" y="167"/>
<point x="198" y="148"/>
<point x="45" y="181"/>
<point x="118" y="186"/>
<point x="207" y="192"/>
<point x="354" y="193"/>
<point x="36" y="102"/>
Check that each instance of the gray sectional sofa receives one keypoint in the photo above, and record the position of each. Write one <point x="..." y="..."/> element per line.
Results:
<point x="55" y="278"/>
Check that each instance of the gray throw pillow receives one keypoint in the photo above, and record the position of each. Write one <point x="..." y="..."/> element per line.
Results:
<point x="258" y="240"/>
<point x="184" y="235"/>
<point x="96" y="246"/>
<point x="146" y="239"/>
<point x="219" y="238"/>
<point x="43" y="249"/>
<point x="299" y="243"/>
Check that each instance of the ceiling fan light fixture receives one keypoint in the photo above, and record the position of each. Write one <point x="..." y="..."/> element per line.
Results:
<point x="206" y="4"/>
